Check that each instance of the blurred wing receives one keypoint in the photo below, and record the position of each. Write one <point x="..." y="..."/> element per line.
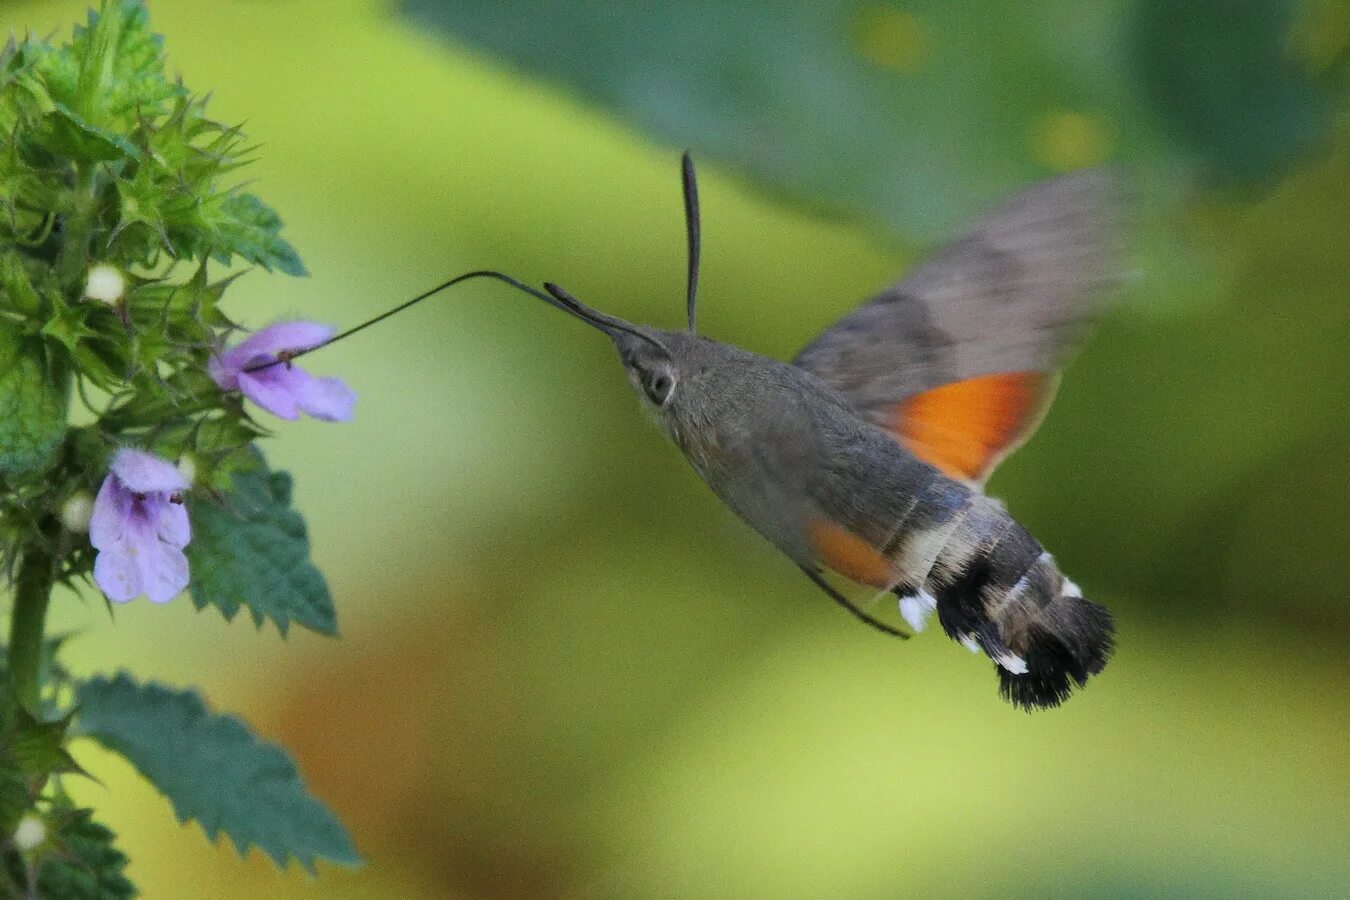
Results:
<point x="958" y="359"/>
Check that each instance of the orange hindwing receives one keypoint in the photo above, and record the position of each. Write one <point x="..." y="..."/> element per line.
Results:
<point x="965" y="428"/>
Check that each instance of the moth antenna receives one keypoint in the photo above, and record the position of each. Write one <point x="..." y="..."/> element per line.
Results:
<point x="691" y="224"/>
<point x="483" y="273"/>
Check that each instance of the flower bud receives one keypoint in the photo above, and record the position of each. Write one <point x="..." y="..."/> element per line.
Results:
<point x="30" y="834"/>
<point x="187" y="467"/>
<point x="105" y="283"/>
<point x="76" y="512"/>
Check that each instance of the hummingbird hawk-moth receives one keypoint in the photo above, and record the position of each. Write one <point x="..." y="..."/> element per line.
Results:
<point x="867" y="454"/>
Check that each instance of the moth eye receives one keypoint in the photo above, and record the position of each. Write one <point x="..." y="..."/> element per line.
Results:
<point x="659" y="387"/>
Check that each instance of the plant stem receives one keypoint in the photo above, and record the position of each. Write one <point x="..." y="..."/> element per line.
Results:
<point x="32" y="591"/>
<point x="72" y="262"/>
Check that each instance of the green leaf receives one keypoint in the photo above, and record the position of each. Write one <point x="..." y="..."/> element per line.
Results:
<point x="67" y="324"/>
<point x="1222" y="75"/>
<point x="253" y="550"/>
<point x="915" y="115"/>
<point x="113" y="71"/>
<point x="33" y="396"/>
<point x="23" y="90"/>
<point x="214" y="770"/>
<point x="37" y="747"/>
<point x="66" y="134"/>
<point x="250" y="229"/>
<point x="17" y="290"/>
<point x="85" y="864"/>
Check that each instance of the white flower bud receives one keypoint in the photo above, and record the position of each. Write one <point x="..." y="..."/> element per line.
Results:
<point x="30" y="834"/>
<point x="76" y="512"/>
<point x="105" y="283"/>
<point x="187" y="467"/>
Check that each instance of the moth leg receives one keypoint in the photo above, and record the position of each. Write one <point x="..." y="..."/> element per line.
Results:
<point x="848" y="605"/>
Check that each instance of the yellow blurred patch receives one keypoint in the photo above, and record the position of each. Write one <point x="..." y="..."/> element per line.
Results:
<point x="1320" y="37"/>
<point x="892" y="39"/>
<point x="1066" y="139"/>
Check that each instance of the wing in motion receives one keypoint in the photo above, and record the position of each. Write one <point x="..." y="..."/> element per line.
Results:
<point x="957" y="360"/>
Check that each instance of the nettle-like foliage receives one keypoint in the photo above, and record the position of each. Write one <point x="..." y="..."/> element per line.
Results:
<point x="118" y="199"/>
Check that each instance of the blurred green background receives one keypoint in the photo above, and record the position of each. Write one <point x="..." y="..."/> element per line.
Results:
<point x="565" y="670"/>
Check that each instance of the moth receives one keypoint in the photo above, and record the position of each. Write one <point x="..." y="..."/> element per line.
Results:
<point x="867" y="454"/>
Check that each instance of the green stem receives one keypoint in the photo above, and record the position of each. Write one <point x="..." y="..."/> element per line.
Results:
<point x="32" y="591"/>
<point x="72" y="262"/>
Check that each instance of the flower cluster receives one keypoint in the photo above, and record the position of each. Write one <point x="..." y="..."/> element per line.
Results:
<point x="139" y="524"/>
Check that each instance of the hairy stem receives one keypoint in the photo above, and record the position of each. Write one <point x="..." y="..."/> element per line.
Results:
<point x="32" y="591"/>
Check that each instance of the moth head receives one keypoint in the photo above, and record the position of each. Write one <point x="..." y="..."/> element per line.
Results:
<point x="646" y="354"/>
<point x="651" y="358"/>
<point x="651" y="368"/>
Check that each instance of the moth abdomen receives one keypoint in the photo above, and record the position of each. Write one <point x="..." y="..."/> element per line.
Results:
<point x="926" y="532"/>
<point x="996" y="589"/>
<point x="1069" y="641"/>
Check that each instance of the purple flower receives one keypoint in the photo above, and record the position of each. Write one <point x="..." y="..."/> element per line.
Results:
<point x="283" y="390"/>
<point x="139" y="528"/>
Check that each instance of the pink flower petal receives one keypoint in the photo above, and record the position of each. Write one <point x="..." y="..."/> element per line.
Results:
<point x="117" y="575"/>
<point x="327" y="398"/>
<point x="164" y="572"/>
<point x="273" y="339"/>
<point x="223" y="372"/>
<point x="174" y="528"/>
<point x="120" y="568"/>
<point x="111" y="508"/>
<point x="273" y="390"/>
<point x="144" y="473"/>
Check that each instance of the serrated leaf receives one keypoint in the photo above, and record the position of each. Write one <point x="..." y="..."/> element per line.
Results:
<point x="251" y="230"/>
<point x="213" y="770"/>
<point x="113" y="70"/>
<point x="253" y="550"/>
<point x="66" y="134"/>
<point x="33" y="397"/>
<point x="22" y="87"/>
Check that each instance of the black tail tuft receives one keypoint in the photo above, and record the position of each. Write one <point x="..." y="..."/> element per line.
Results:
<point x="1070" y="640"/>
